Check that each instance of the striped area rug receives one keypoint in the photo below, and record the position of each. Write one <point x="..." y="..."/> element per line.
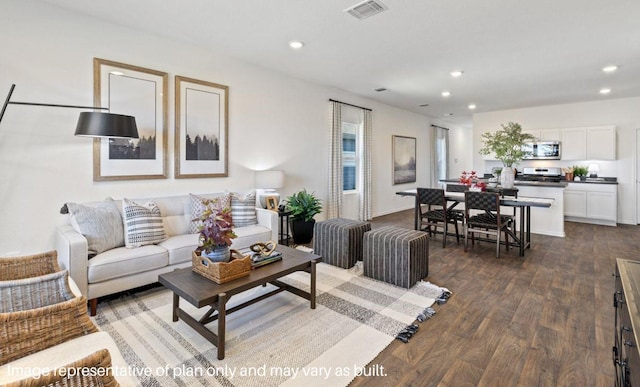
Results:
<point x="278" y="341"/>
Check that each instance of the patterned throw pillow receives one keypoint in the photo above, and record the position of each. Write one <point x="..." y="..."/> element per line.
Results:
<point x="243" y="209"/>
<point x="142" y="224"/>
<point x="101" y="225"/>
<point x="196" y="207"/>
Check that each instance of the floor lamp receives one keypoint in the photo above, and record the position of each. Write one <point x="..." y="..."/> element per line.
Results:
<point x="90" y="124"/>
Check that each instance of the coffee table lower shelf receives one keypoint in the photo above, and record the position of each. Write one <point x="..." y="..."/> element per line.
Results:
<point x="202" y="292"/>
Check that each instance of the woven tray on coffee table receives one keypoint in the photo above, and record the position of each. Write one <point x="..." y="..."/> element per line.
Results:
<point x="220" y="272"/>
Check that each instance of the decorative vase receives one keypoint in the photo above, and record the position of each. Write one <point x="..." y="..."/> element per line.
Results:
<point x="218" y="254"/>
<point x="302" y="231"/>
<point x="507" y="177"/>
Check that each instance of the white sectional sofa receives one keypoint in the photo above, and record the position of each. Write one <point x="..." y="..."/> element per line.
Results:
<point x="121" y="268"/>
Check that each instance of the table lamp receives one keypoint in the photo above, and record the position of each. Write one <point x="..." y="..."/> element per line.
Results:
<point x="267" y="182"/>
<point x="593" y="170"/>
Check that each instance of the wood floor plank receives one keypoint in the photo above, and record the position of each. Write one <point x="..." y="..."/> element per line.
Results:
<point x="545" y="319"/>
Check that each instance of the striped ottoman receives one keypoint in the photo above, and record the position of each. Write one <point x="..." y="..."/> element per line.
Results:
<point x="398" y="256"/>
<point x="339" y="241"/>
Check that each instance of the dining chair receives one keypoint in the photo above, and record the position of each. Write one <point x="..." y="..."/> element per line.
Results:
<point x="489" y="221"/>
<point x="432" y="206"/>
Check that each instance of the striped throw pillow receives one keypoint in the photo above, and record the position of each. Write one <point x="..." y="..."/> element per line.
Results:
<point x="142" y="224"/>
<point x="243" y="209"/>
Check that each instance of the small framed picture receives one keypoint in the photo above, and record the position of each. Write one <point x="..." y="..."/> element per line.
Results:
<point x="272" y="203"/>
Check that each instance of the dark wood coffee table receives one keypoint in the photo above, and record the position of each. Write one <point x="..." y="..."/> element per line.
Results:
<point x="200" y="291"/>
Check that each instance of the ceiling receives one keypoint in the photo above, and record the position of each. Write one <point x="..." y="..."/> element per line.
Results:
<point x="514" y="54"/>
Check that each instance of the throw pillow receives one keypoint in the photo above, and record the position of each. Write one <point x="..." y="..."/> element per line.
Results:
<point x="243" y="209"/>
<point x="196" y="207"/>
<point x="142" y="223"/>
<point x="100" y="225"/>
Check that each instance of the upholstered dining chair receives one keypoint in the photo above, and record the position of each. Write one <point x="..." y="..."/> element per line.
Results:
<point x="489" y="221"/>
<point x="433" y="212"/>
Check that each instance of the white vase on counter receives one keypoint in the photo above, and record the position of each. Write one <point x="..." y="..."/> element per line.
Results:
<point x="507" y="177"/>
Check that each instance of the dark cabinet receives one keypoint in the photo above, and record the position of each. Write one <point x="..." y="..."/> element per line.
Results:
<point x="626" y="301"/>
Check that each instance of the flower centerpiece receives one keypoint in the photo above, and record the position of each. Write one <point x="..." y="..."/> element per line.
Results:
<point x="470" y="179"/>
<point x="507" y="146"/>
<point x="216" y="231"/>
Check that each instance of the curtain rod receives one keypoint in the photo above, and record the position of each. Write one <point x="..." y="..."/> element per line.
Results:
<point x="439" y="127"/>
<point x="348" y="104"/>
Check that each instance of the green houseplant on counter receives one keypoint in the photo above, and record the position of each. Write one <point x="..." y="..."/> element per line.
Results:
<point x="303" y="207"/>
<point x="580" y="171"/>
<point x="508" y="146"/>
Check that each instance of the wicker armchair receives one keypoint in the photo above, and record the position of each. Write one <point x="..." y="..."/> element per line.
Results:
<point x="13" y="268"/>
<point x="99" y="360"/>
<point x="35" y="292"/>
<point x="33" y="330"/>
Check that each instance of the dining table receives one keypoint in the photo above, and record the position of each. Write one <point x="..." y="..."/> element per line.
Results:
<point x="524" y="204"/>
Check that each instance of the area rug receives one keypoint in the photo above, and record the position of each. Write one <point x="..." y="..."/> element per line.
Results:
<point x="278" y="341"/>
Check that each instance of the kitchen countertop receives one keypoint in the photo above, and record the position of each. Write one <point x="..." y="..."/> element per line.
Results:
<point x="560" y="184"/>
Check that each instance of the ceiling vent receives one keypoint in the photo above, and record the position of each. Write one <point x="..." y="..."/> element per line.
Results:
<point x="366" y="9"/>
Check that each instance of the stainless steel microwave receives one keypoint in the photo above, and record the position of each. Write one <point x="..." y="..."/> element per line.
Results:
<point x="543" y="150"/>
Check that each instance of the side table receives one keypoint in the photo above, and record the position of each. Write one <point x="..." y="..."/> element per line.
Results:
<point x="283" y="232"/>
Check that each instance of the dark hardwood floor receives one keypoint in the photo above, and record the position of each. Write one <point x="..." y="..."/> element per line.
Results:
<point x="542" y="320"/>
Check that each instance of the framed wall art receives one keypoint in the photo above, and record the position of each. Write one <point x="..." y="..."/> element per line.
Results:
<point x="202" y="110"/>
<point x="404" y="160"/>
<point x="138" y="92"/>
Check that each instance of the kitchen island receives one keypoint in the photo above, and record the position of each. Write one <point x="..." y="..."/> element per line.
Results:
<point x="545" y="221"/>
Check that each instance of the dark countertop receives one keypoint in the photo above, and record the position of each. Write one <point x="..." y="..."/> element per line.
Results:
<point x="608" y="180"/>
<point x="561" y="184"/>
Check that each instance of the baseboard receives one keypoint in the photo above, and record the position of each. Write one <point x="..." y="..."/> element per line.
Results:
<point x="391" y="211"/>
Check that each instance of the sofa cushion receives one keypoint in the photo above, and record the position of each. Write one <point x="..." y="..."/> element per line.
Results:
<point x="121" y="262"/>
<point x="143" y="224"/>
<point x="180" y="247"/>
<point x="249" y="235"/>
<point x="196" y="208"/>
<point x="101" y="225"/>
<point x="243" y="209"/>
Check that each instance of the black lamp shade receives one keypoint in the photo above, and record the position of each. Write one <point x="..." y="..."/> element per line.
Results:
<point x="98" y="124"/>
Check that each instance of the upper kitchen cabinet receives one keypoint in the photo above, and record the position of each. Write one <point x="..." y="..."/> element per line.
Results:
<point x="574" y="144"/>
<point x="592" y="143"/>
<point x="601" y="143"/>
<point x="545" y="134"/>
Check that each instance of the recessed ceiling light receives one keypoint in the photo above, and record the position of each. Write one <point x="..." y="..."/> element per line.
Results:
<point x="610" y="69"/>
<point x="296" y="44"/>
<point x="448" y="114"/>
<point x="446" y="93"/>
<point x="605" y="91"/>
<point x="456" y="73"/>
<point x="472" y="106"/>
<point x="380" y="89"/>
<point x="116" y="72"/>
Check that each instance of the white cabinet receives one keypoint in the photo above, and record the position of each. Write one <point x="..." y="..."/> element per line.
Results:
<point x="591" y="143"/>
<point x="601" y="143"/>
<point x="550" y="135"/>
<point x="591" y="203"/>
<point x="574" y="144"/>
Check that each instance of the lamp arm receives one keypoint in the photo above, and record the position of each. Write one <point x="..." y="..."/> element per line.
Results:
<point x="8" y="101"/>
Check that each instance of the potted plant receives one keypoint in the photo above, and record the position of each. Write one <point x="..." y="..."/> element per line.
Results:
<point x="580" y="171"/>
<point x="216" y="231"/>
<point x="303" y="206"/>
<point x="507" y="145"/>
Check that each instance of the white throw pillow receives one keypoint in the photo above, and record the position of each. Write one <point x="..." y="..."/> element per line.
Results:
<point x="101" y="225"/>
<point x="196" y="207"/>
<point x="243" y="209"/>
<point x="142" y="224"/>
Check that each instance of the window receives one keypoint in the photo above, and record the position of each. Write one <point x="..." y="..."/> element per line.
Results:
<point x="349" y="156"/>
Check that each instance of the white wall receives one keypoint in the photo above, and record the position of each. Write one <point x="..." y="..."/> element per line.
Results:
<point x="623" y="113"/>
<point x="274" y="122"/>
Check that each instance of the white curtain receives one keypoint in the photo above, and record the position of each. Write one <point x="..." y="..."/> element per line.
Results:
<point x="439" y="155"/>
<point x="364" y="188"/>
<point x="334" y="177"/>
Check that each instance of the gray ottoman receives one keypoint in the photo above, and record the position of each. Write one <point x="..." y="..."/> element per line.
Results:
<point x="398" y="256"/>
<point x="339" y="241"/>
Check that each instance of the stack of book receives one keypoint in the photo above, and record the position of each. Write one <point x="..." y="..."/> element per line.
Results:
<point x="258" y="259"/>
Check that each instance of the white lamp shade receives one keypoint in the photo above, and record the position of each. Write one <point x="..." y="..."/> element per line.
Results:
<point x="269" y="179"/>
